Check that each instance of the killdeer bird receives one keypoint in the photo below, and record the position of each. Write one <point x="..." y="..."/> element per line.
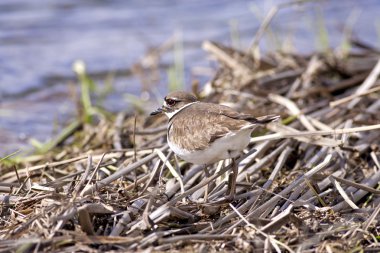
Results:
<point x="205" y="133"/>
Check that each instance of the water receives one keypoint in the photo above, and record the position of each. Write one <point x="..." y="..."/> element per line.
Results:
<point x="39" y="41"/>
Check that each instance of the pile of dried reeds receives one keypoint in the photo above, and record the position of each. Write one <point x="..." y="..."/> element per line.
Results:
<point x="308" y="183"/>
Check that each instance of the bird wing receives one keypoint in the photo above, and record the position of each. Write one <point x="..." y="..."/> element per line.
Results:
<point x="227" y="111"/>
<point x="199" y="125"/>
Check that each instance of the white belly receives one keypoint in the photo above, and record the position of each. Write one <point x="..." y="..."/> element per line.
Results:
<point x="226" y="147"/>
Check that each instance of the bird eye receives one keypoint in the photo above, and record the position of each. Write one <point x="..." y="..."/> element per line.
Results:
<point x="170" y="102"/>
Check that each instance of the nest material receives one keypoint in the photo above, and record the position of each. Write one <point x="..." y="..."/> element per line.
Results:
<point x="302" y="185"/>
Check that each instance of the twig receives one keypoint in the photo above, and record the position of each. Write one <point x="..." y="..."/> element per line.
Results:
<point x="371" y="218"/>
<point x="314" y="133"/>
<point x="122" y="171"/>
<point x="351" y="97"/>
<point x="360" y="193"/>
<point x="238" y="68"/>
<point x="196" y="237"/>
<point x="171" y="169"/>
<point x="93" y="175"/>
<point x="368" y="83"/>
<point x="84" y="177"/>
<point x="273" y="241"/>
<point x="356" y="185"/>
<point x="344" y="195"/>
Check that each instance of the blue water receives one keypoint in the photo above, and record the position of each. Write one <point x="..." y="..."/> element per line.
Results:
<point x="40" y="39"/>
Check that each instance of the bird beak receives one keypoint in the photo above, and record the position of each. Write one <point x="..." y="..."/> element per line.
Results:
<point x="158" y="111"/>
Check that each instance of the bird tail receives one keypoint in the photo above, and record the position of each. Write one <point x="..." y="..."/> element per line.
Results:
<point x="267" y="119"/>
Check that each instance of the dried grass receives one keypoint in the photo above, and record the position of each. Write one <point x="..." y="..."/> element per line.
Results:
<point x="307" y="184"/>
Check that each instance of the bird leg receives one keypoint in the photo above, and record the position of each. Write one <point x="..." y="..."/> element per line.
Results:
<point x="231" y="190"/>
<point x="207" y="173"/>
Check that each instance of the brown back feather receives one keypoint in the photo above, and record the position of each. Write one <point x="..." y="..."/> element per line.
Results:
<point x="200" y="124"/>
